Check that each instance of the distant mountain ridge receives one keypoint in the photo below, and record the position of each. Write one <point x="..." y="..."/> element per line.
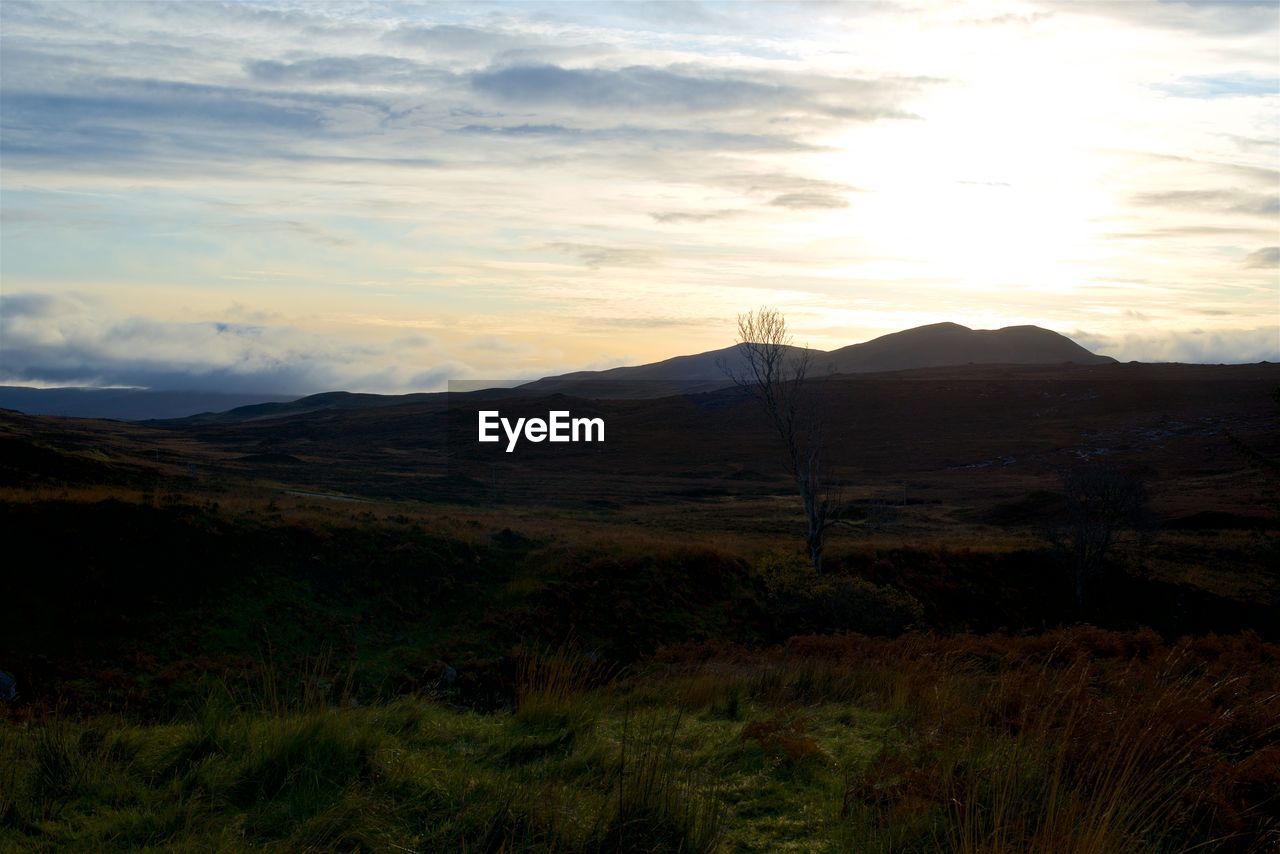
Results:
<point x="126" y="404"/>
<point x="942" y="344"/>
<point x="312" y="403"/>
<point x="935" y="345"/>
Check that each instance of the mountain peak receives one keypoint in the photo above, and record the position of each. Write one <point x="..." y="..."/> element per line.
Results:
<point x="934" y="345"/>
<point x="942" y="344"/>
<point x="945" y="325"/>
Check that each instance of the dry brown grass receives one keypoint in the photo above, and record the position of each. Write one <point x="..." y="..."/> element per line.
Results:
<point x="1079" y="740"/>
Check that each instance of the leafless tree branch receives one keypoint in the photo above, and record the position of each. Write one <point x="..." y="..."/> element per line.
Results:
<point x="776" y="373"/>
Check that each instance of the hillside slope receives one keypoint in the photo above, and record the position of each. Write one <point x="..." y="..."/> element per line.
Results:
<point x="944" y="344"/>
<point x="936" y="345"/>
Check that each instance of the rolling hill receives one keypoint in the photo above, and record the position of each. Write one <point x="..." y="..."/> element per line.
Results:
<point x="126" y="404"/>
<point x="932" y="346"/>
<point x="945" y="344"/>
<point x="936" y="345"/>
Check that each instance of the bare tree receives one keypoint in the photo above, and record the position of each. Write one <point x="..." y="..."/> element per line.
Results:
<point x="1267" y="465"/>
<point x="776" y="373"/>
<point x="1102" y="502"/>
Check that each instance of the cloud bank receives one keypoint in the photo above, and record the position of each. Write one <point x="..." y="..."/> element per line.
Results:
<point x="78" y="341"/>
<point x="539" y="186"/>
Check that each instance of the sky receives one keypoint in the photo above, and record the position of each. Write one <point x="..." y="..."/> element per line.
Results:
<point x="297" y="197"/>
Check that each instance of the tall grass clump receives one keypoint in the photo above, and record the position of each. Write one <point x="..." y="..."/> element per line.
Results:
<point x="660" y="804"/>
<point x="316" y="684"/>
<point x="553" y="687"/>
<point x="296" y="768"/>
<point x="62" y="765"/>
<point x="1076" y="772"/>
<point x="1072" y="741"/>
<point x="1068" y="754"/>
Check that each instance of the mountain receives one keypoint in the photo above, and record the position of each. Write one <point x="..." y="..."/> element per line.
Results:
<point x="303" y="405"/>
<point x="936" y="345"/>
<point x="125" y="404"/>
<point x="678" y="375"/>
<point x="934" y="426"/>
<point x="339" y="401"/>
<point x="943" y="344"/>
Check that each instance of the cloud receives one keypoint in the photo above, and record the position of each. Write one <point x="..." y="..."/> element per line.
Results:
<point x="637" y="87"/>
<point x="344" y="69"/>
<point x="624" y="137"/>
<point x="1267" y="258"/>
<point x="675" y="217"/>
<point x="802" y="201"/>
<point x="290" y="226"/>
<point x="408" y="161"/>
<point x="174" y="127"/>
<point x="501" y="344"/>
<point x="1261" y="177"/>
<point x="603" y="323"/>
<point x="28" y="306"/>
<point x="1230" y="200"/>
<point x="696" y="90"/>
<point x="779" y="183"/>
<point x="1209" y="17"/>
<point x="437" y="378"/>
<point x="452" y="39"/>
<point x="1216" y="232"/>
<point x="162" y="102"/>
<point x="1222" y="86"/>
<point x="83" y="341"/>
<point x="1007" y="19"/>
<point x="1265" y="145"/>
<point x="218" y="89"/>
<point x="1198" y="346"/>
<point x="605" y="256"/>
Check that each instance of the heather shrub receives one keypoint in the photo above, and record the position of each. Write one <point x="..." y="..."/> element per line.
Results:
<point x="802" y="601"/>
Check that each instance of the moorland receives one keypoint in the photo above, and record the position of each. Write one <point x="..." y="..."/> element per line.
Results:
<point x="336" y="627"/>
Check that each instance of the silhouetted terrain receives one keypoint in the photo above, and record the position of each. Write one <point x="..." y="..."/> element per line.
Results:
<point x="952" y="344"/>
<point x="345" y="621"/>
<point x="937" y="345"/>
<point x="939" y="428"/>
<point x="125" y="404"/>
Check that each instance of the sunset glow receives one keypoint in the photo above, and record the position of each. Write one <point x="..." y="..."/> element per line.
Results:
<point x="298" y="197"/>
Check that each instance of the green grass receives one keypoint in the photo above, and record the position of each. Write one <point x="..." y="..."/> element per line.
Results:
<point x="410" y="775"/>
<point x="1080" y="741"/>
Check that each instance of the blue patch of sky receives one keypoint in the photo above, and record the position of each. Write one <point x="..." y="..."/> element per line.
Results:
<point x="1221" y="86"/>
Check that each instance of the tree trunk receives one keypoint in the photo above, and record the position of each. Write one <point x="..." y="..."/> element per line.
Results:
<point x="816" y="526"/>
<point x="815" y="550"/>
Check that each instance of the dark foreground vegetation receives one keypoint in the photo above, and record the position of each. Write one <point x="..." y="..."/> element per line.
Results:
<point x="1075" y="740"/>
<point x="200" y="678"/>
<point x="210" y="656"/>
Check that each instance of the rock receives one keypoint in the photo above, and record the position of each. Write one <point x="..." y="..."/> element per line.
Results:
<point x="8" y="688"/>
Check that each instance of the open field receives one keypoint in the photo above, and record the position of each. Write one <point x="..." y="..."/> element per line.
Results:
<point x="318" y="633"/>
<point x="1078" y="740"/>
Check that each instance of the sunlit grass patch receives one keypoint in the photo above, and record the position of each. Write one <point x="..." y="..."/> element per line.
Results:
<point x="1078" y="740"/>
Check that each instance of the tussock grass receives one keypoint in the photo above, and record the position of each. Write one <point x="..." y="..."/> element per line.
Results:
<point x="661" y="805"/>
<point x="1073" y="741"/>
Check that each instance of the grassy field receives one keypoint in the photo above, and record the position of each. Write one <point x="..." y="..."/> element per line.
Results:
<point x="257" y="655"/>
<point x="315" y="679"/>
<point x="1076" y="740"/>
